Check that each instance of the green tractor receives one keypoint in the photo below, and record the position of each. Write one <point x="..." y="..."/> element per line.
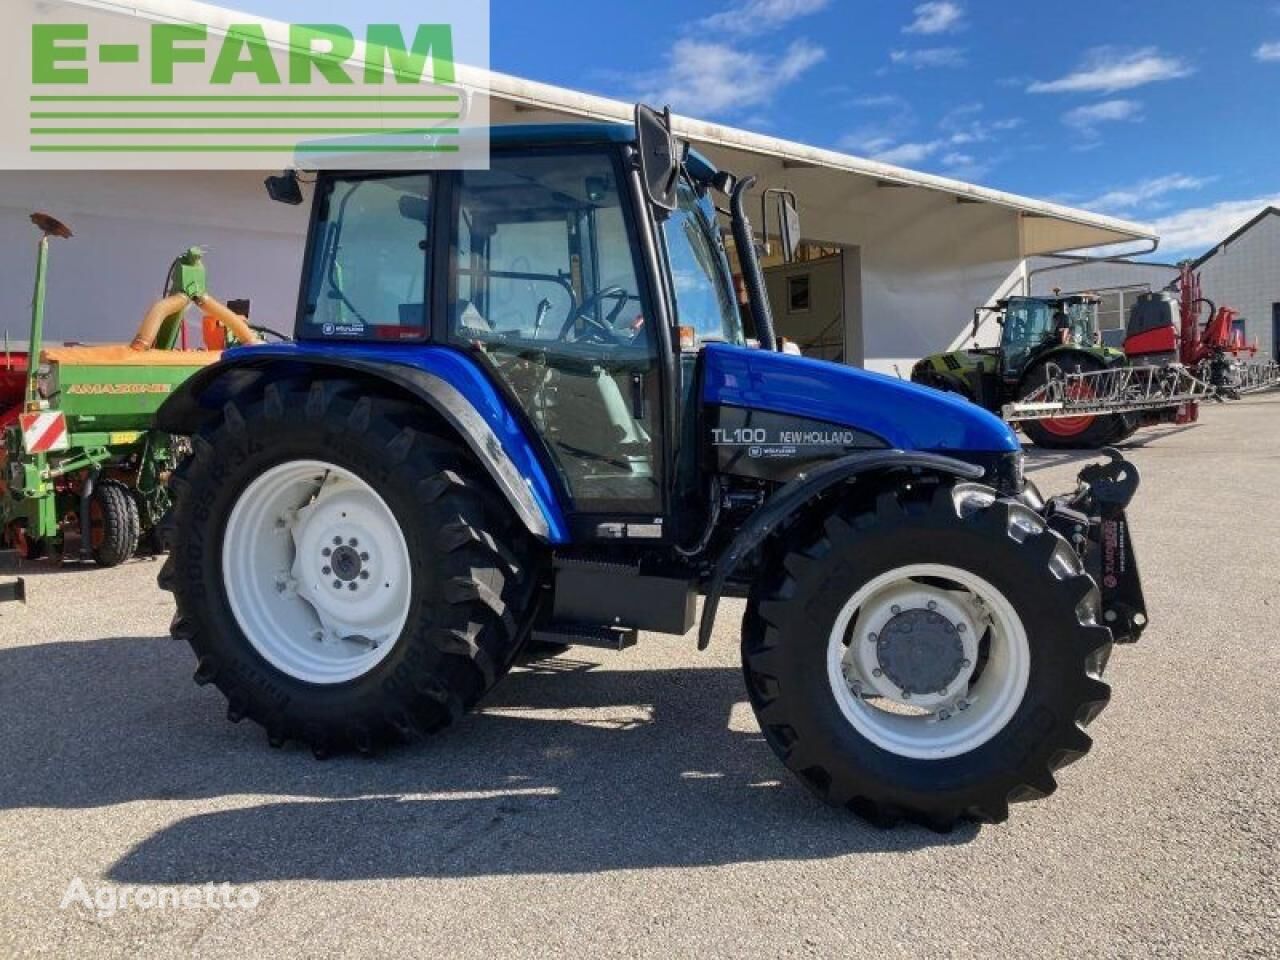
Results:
<point x="78" y="450"/>
<point x="1037" y="334"/>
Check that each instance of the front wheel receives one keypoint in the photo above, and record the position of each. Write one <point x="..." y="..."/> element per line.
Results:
<point x="933" y="656"/>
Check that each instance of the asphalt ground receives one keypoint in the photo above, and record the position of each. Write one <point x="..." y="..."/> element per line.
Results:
<point x="605" y="805"/>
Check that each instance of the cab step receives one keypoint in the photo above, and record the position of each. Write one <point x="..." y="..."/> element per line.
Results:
<point x="575" y="635"/>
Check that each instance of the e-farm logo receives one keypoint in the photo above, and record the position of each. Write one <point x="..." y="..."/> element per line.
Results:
<point x="114" y="86"/>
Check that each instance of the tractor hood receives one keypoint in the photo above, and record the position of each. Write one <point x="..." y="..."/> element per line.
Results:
<point x="901" y="414"/>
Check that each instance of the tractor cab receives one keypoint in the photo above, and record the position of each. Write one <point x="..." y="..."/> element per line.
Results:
<point x="1031" y="327"/>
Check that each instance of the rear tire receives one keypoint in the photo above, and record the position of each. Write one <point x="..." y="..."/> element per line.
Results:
<point x="1073" y="433"/>
<point x="114" y="522"/>
<point x="1036" y="684"/>
<point x="466" y="569"/>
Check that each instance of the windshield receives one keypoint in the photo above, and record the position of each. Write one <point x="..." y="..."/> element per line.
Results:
<point x="700" y="270"/>
<point x="1031" y="323"/>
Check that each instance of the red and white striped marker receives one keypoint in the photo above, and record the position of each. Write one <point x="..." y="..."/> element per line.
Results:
<point x="44" y="432"/>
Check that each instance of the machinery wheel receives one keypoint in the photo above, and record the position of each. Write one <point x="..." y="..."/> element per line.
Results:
<point x="345" y="577"/>
<point x="114" y="523"/>
<point x="1126" y="426"/>
<point x="1069" y="433"/>
<point x="932" y="656"/>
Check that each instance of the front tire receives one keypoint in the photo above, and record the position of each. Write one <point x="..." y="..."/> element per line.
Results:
<point x="932" y="656"/>
<point x="337" y="644"/>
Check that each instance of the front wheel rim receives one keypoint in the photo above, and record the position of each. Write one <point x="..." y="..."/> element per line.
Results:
<point x="316" y="571"/>
<point x="972" y="626"/>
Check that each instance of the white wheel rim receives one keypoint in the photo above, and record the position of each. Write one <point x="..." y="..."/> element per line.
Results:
<point x="975" y="705"/>
<point x="316" y="571"/>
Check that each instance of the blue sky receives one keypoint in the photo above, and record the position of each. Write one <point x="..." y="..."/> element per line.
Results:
<point x="1163" y="112"/>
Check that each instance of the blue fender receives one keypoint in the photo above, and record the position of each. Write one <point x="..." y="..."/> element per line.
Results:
<point x="447" y="380"/>
<point x="904" y="415"/>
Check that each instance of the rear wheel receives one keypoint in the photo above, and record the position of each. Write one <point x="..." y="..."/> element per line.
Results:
<point x="1071" y="433"/>
<point x="345" y="577"/>
<point x="933" y="656"/>
<point x="114" y="524"/>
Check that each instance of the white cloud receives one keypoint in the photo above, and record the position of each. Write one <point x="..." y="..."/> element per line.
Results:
<point x="965" y="166"/>
<point x="760" y="16"/>
<point x="929" y="57"/>
<point x="1199" y="229"/>
<point x="1087" y="119"/>
<point x="1268" y="52"/>
<point x="708" y="78"/>
<point x="880" y="100"/>
<point x="1109" y="69"/>
<point x="940" y="16"/>
<point x="908" y="154"/>
<point x="1145" y="193"/>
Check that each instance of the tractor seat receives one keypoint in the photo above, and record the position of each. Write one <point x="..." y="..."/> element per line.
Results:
<point x="121" y="355"/>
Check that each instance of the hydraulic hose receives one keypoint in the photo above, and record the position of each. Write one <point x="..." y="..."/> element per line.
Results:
<point x="150" y="329"/>
<point x="237" y="324"/>
<point x="744" y="239"/>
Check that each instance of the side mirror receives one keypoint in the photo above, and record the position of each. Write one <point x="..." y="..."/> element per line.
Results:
<point x="659" y="156"/>
<point x="790" y="218"/>
<point x="788" y="222"/>
<point x="285" y="188"/>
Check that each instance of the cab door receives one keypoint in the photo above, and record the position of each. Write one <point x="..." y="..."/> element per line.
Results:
<point x="548" y="293"/>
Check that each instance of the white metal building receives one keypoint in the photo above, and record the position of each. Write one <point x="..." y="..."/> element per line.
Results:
<point x="917" y="253"/>
<point x="1243" y="272"/>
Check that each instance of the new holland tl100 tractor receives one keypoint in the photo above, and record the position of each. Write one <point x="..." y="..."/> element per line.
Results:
<point x="520" y="405"/>
<point x="1038" y="336"/>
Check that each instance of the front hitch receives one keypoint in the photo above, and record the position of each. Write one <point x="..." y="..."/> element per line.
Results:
<point x="1093" y="521"/>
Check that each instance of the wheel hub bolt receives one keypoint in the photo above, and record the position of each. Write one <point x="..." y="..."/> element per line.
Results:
<point x="877" y="672"/>
<point x="960" y="628"/>
<point x="352" y="586"/>
<point x="337" y="584"/>
<point x="326" y="570"/>
<point x="364" y="574"/>
<point x="353" y="542"/>
<point x="326" y="552"/>
<point x="873" y="637"/>
<point x="337" y="541"/>
<point x="933" y="604"/>
<point x="895" y="609"/>
<point x="364" y="557"/>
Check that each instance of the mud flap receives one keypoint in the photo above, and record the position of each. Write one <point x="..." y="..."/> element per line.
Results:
<point x="1093" y="520"/>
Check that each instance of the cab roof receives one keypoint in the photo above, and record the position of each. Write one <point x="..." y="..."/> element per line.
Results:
<point x="516" y="135"/>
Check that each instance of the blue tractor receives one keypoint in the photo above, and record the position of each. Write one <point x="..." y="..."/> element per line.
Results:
<point x="519" y="406"/>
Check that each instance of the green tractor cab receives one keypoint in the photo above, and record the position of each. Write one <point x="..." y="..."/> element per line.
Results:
<point x="1036" y="334"/>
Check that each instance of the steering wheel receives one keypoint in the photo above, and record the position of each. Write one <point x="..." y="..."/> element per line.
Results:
<point x="587" y="312"/>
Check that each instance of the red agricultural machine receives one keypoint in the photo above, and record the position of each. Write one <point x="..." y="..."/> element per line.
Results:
<point x="1166" y="328"/>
